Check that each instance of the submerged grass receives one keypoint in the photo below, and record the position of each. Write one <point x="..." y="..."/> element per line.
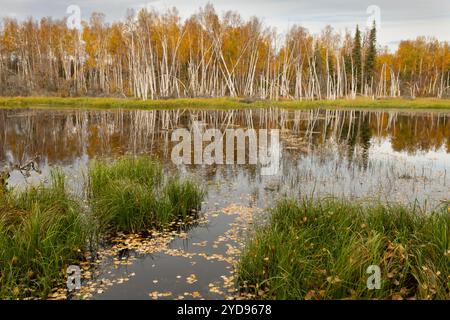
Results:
<point x="42" y="231"/>
<point x="322" y="249"/>
<point x="221" y="103"/>
<point x="132" y="194"/>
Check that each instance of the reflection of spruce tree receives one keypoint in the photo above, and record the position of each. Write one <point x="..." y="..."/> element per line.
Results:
<point x="360" y="135"/>
<point x="365" y="136"/>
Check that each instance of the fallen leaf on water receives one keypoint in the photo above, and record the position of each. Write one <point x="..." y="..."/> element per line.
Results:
<point x="191" y="279"/>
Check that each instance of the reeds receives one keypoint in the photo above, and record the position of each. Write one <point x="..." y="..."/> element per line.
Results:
<point x="322" y="249"/>
<point x="132" y="194"/>
<point x="43" y="229"/>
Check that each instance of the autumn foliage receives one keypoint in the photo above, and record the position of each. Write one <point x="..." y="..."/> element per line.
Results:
<point x="153" y="55"/>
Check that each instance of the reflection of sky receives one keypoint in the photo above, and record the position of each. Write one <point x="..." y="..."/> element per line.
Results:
<point x="381" y="174"/>
<point x="75" y="174"/>
<point x="381" y="149"/>
<point x="324" y="167"/>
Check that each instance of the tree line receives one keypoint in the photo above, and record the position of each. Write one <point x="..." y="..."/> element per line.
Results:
<point x="154" y="55"/>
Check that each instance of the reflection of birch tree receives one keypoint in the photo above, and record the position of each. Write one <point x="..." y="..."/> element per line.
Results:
<point x="65" y="135"/>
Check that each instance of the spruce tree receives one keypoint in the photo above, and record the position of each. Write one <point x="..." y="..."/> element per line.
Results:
<point x="357" y="63"/>
<point x="371" y="54"/>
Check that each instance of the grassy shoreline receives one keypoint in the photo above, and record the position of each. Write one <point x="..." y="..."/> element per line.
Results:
<point x="219" y="103"/>
<point x="321" y="250"/>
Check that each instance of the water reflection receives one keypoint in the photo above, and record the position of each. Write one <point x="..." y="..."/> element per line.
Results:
<point x="389" y="155"/>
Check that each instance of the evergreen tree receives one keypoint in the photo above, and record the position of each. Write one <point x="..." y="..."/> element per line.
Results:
<point x="357" y="63"/>
<point x="371" y="54"/>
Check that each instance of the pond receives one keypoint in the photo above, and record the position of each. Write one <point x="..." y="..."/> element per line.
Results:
<point x="398" y="156"/>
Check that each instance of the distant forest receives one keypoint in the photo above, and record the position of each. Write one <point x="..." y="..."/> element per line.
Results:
<point x="153" y="55"/>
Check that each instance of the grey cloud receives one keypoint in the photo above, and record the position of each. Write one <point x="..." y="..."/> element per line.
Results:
<point x="400" y="19"/>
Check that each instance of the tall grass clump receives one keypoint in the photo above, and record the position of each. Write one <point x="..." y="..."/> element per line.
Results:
<point x="133" y="194"/>
<point x="42" y="231"/>
<point x="321" y="249"/>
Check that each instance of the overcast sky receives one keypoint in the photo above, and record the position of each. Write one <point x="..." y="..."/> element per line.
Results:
<point x="400" y="19"/>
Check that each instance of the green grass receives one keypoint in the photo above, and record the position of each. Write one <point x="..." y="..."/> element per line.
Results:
<point x="322" y="249"/>
<point x="219" y="103"/>
<point x="42" y="231"/>
<point x="183" y="197"/>
<point x="132" y="194"/>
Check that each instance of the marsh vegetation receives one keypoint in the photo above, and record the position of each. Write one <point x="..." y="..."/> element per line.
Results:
<point x="387" y="173"/>
<point x="44" y="229"/>
<point x="321" y="249"/>
<point x="131" y="195"/>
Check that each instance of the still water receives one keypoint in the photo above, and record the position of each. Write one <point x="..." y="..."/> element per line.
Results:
<point x="367" y="155"/>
